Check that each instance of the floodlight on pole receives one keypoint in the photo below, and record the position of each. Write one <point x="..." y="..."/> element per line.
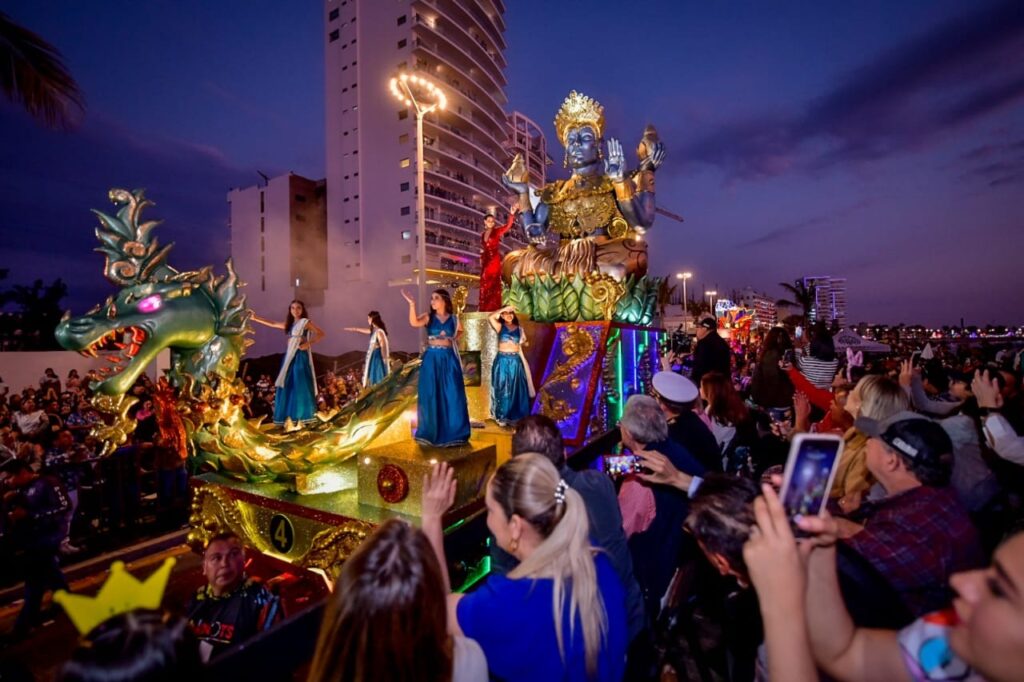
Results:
<point x="684" y="276"/>
<point x="425" y="97"/>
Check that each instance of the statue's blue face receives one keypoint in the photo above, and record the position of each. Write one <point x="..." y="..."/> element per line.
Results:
<point x="583" y="147"/>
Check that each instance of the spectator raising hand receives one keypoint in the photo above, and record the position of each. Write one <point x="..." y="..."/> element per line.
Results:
<point x="986" y="389"/>
<point x="777" y="571"/>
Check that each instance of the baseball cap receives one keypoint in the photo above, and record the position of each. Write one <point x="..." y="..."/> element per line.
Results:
<point x="708" y="323"/>
<point x="674" y="388"/>
<point x="910" y="434"/>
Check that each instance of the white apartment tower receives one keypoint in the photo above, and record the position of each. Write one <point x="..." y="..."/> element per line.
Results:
<point x="279" y="248"/>
<point x="371" y="149"/>
<point x="829" y="299"/>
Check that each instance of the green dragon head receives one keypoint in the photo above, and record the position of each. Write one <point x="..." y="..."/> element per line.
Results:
<point x="201" y="318"/>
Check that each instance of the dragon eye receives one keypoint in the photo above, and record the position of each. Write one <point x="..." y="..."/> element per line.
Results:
<point x="150" y="304"/>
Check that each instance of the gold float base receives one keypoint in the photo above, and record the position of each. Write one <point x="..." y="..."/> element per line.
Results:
<point x="391" y="476"/>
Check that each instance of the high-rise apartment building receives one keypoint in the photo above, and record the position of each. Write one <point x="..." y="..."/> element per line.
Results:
<point x="371" y="146"/>
<point x="370" y="244"/>
<point x="279" y="247"/>
<point x="829" y="299"/>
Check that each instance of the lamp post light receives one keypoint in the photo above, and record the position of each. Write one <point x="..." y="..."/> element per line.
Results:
<point x="711" y="301"/>
<point x="684" y="276"/>
<point x="424" y="97"/>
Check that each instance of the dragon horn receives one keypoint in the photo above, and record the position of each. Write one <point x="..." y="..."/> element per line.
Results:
<point x="66" y="316"/>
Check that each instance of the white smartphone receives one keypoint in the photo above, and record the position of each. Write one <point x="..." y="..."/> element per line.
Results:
<point x="810" y="469"/>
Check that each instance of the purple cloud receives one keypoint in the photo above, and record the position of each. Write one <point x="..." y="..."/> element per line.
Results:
<point x="49" y="181"/>
<point x="904" y="99"/>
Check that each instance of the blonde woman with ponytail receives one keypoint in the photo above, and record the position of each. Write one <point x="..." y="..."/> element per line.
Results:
<point x="560" y="614"/>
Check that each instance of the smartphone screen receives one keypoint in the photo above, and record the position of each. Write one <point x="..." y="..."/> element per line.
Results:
<point x="620" y="465"/>
<point x="810" y="468"/>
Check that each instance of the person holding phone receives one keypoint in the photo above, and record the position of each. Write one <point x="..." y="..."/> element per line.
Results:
<point x="976" y="637"/>
<point x="653" y="514"/>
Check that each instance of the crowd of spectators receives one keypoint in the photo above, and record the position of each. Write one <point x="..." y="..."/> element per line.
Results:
<point x="334" y="391"/>
<point x="687" y="565"/>
<point x="62" y="500"/>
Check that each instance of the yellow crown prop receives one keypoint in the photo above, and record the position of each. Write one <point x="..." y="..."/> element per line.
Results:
<point x="120" y="594"/>
<point x="578" y="110"/>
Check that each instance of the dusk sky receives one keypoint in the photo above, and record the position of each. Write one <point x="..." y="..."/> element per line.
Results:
<point x="878" y="141"/>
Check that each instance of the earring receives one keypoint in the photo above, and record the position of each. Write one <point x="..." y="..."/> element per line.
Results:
<point x="513" y="545"/>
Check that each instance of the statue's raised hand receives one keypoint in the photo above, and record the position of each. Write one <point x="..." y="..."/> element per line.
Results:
<point x="516" y="178"/>
<point x="653" y="160"/>
<point x="615" y="163"/>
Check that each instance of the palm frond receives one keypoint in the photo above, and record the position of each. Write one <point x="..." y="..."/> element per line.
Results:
<point x="32" y="74"/>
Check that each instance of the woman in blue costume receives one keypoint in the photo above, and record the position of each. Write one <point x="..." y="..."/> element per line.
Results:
<point x="442" y="415"/>
<point x="511" y="384"/>
<point x="295" y="398"/>
<point x="378" y="355"/>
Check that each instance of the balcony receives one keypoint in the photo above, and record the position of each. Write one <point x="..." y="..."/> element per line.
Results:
<point x="474" y="176"/>
<point x="462" y="17"/>
<point x="431" y="69"/>
<point x="449" y="178"/>
<point x="486" y="60"/>
<point x="428" y="38"/>
<point x="457" y="138"/>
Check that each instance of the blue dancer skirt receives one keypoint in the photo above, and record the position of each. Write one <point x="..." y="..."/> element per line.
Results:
<point x="377" y="372"/>
<point x="443" y="417"/>
<point x="510" y="394"/>
<point x="295" y="400"/>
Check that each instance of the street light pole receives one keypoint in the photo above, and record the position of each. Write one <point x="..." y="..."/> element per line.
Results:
<point x="421" y="214"/>
<point x="711" y="302"/>
<point x="684" y="276"/>
<point x="401" y="88"/>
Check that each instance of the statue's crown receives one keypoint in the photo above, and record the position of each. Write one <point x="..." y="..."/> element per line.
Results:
<point x="120" y="594"/>
<point x="577" y="110"/>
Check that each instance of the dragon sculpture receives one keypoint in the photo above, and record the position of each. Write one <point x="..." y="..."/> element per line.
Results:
<point x="204" y="322"/>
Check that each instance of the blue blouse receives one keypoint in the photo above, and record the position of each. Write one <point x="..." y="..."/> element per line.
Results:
<point x="435" y="327"/>
<point x="507" y="334"/>
<point x="511" y="620"/>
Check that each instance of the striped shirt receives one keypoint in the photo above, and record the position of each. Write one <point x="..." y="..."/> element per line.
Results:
<point x="818" y="372"/>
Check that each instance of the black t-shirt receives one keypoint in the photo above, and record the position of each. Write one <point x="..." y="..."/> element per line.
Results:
<point x="232" y="618"/>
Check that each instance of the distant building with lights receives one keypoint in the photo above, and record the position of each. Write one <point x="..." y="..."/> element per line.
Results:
<point x="765" y="312"/>
<point x="371" y="222"/>
<point x="829" y="299"/>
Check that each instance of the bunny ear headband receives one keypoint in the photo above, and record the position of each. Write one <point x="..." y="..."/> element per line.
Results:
<point x="853" y="360"/>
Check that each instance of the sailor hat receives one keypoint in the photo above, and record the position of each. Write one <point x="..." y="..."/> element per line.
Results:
<point x="674" y="388"/>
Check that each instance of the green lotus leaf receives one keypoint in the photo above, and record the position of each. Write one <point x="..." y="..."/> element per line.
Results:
<point x="570" y="298"/>
<point x="518" y="296"/>
<point x="626" y="308"/>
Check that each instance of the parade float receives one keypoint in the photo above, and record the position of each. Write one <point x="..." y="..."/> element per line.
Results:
<point x="584" y="274"/>
<point x="311" y="496"/>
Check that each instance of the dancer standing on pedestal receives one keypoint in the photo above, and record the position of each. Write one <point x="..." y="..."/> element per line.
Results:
<point x="295" y="398"/>
<point x="511" y="384"/>
<point x="442" y="414"/>
<point x="490" y="261"/>
<point x="378" y="356"/>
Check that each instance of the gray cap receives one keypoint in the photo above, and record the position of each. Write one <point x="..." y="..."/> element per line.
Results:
<point x="910" y="434"/>
<point x="675" y="388"/>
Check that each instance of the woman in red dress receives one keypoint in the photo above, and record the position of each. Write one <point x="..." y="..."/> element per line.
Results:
<point x="490" y="261"/>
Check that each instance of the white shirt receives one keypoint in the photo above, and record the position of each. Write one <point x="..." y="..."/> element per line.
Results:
<point x="1003" y="439"/>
